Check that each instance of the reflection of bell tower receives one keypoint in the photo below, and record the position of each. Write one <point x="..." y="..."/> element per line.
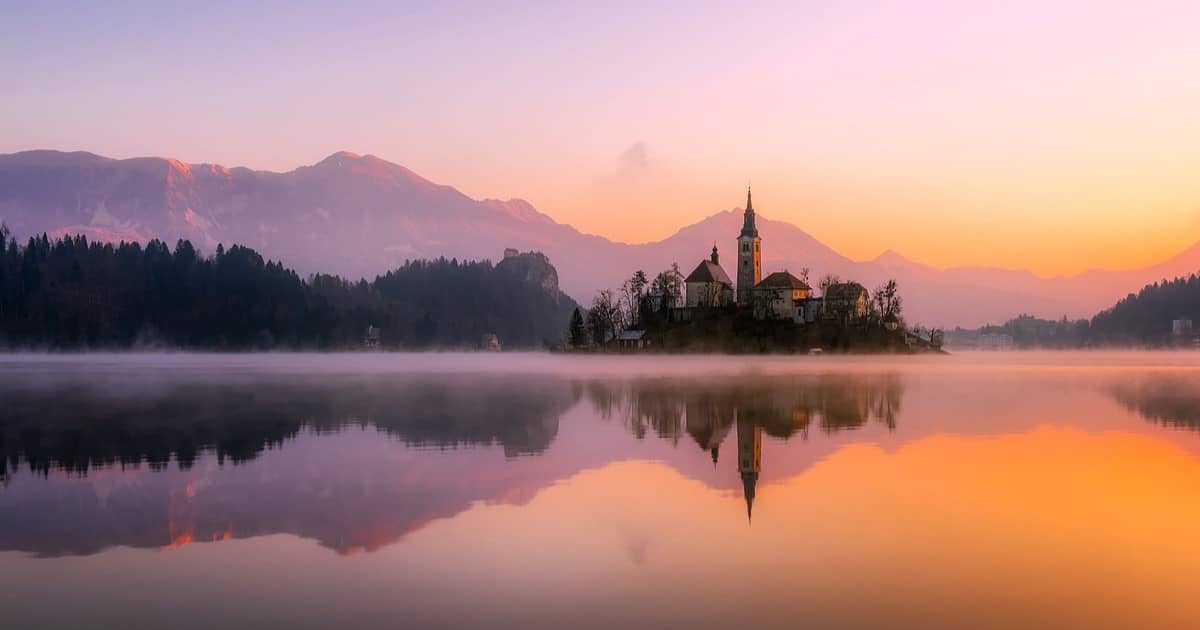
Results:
<point x="749" y="438"/>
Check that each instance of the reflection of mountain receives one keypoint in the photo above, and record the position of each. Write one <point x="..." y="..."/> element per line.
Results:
<point x="76" y="428"/>
<point x="1172" y="401"/>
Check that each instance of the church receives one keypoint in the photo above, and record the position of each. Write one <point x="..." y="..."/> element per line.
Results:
<point x="780" y="295"/>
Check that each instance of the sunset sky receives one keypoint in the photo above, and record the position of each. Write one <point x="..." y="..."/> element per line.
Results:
<point x="1050" y="136"/>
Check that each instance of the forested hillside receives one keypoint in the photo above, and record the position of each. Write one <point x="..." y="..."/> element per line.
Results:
<point x="71" y="293"/>
<point x="1145" y="318"/>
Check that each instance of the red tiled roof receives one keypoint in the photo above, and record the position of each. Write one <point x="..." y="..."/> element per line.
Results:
<point x="781" y="280"/>
<point x="708" y="271"/>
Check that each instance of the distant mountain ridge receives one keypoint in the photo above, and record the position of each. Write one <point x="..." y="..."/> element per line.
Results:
<point x="359" y="215"/>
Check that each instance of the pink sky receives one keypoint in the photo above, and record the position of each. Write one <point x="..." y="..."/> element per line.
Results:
<point x="1049" y="136"/>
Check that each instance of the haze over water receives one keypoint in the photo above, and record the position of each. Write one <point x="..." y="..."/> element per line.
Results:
<point x="443" y="490"/>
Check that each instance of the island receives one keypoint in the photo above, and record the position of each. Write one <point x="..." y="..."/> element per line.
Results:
<point x="705" y="312"/>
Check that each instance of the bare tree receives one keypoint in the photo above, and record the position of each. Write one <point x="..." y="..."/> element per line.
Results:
<point x="886" y="304"/>
<point x="827" y="281"/>
<point x="604" y="317"/>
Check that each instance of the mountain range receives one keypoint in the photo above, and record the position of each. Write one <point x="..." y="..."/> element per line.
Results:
<point x="359" y="215"/>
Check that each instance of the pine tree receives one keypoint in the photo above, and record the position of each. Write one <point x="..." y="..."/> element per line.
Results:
<point x="578" y="331"/>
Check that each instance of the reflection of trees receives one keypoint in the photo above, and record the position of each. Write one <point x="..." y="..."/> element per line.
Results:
<point x="781" y="405"/>
<point x="1171" y="400"/>
<point x="75" y="428"/>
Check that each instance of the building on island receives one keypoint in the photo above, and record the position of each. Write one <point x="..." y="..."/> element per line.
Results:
<point x="708" y="285"/>
<point x="781" y="296"/>
<point x="846" y="301"/>
<point x="749" y="270"/>
<point x="708" y="293"/>
<point x="632" y="340"/>
<point x="666" y="292"/>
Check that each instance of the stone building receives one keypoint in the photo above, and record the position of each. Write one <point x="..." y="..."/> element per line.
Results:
<point x="749" y="270"/>
<point x="846" y="301"/>
<point x="781" y="296"/>
<point x="708" y="285"/>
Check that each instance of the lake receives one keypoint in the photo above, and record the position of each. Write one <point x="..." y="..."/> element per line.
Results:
<point x="519" y="491"/>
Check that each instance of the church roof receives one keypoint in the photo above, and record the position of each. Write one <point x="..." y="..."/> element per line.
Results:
<point x="845" y="291"/>
<point x="781" y="280"/>
<point x="708" y="271"/>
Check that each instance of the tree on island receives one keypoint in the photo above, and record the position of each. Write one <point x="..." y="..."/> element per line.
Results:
<point x="632" y="293"/>
<point x="605" y="317"/>
<point x="886" y="303"/>
<point x="577" y="334"/>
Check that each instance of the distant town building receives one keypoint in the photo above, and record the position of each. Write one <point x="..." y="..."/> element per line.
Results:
<point x="371" y="338"/>
<point x="1181" y="328"/>
<point x="489" y="342"/>
<point x="781" y="296"/>
<point x="708" y="285"/>
<point x="995" y="341"/>
<point x="749" y="270"/>
<point x="510" y="252"/>
<point x="846" y="300"/>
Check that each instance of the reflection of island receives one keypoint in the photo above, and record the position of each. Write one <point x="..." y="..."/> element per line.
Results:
<point x="780" y="406"/>
<point x="193" y="460"/>
<point x="1171" y="400"/>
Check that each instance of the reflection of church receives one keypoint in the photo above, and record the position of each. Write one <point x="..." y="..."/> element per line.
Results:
<point x="749" y="437"/>
<point x="709" y="424"/>
<point x="781" y="408"/>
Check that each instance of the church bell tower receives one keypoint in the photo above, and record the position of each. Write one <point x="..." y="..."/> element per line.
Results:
<point x="749" y="270"/>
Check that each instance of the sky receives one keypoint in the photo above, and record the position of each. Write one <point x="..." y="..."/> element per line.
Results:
<point x="1054" y="137"/>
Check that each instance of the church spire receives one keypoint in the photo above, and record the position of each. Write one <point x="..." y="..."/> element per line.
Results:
<point x="748" y="226"/>
<point x="715" y="258"/>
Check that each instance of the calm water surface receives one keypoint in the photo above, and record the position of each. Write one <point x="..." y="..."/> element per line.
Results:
<point x="517" y="491"/>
